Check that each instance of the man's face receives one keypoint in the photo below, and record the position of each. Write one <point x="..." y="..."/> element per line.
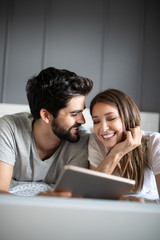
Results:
<point x="65" y="125"/>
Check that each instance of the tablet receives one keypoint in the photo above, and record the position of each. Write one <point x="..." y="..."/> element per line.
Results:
<point x="92" y="184"/>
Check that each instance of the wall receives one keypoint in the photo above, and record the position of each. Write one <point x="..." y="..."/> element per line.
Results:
<point x="113" y="42"/>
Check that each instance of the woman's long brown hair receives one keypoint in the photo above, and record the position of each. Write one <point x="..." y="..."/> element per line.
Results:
<point x="132" y="165"/>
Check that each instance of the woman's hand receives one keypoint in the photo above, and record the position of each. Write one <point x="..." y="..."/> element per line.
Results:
<point x="132" y="140"/>
<point x="132" y="198"/>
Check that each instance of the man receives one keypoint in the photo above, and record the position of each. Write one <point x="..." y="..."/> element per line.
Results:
<point x="36" y="146"/>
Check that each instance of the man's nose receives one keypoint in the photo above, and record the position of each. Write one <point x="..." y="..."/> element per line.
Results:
<point x="81" y="119"/>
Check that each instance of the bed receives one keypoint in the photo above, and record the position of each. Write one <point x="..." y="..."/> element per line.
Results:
<point x="150" y="122"/>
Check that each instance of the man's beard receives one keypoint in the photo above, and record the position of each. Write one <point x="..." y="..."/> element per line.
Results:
<point x="64" y="134"/>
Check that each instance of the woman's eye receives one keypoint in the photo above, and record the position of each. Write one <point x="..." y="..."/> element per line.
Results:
<point x="112" y="119"/>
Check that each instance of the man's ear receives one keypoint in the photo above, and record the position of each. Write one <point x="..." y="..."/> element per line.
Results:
<point x="45" y="115"/>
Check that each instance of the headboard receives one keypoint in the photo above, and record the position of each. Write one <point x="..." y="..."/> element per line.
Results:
<point x="150" y="120"/>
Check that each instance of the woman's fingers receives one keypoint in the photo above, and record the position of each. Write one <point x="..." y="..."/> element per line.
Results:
<point x="136" y="133"/>
<point x="132" y="198"/>
<point x="134" y="137"/>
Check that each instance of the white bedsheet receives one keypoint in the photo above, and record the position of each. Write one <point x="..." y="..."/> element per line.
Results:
<point x="28" y="189"/>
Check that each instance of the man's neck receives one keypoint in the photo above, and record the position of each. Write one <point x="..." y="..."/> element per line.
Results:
<point x="46" y="141"/>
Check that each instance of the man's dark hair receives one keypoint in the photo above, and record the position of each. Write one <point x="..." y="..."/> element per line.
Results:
<point x="53" y="88"/>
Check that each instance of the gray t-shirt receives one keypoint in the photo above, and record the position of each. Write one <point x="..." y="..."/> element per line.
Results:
<point x="17" y="147"/>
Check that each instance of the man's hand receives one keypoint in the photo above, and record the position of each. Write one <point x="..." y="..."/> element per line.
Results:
<point x="4" y="192"/>
<point x="52" y="193"/>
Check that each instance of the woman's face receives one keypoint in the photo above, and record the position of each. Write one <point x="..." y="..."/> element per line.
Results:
<point x="107" y="124"/>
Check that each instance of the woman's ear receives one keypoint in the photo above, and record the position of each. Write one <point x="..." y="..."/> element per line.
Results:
<point x="45" y="115"/>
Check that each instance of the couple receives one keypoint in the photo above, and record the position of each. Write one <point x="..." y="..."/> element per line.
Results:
<point x="36" y="146"/>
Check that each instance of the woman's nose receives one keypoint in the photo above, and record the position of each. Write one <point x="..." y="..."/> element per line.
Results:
<point x="104" y="126"/>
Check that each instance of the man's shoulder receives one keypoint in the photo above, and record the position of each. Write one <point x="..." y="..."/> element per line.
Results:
<point x="20" y="115"/>
<point x="76" y="153"/>
<point x="84" y="132"/>
<point x="84" y="136"/>
<point x="17" y="120"/>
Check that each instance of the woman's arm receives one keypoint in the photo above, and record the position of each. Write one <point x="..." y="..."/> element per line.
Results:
<point x="158" y="183"/>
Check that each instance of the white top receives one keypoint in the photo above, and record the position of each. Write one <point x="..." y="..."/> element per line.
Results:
<point x="97" y="153"/>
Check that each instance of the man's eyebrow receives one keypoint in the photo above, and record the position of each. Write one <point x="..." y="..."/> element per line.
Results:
<point x="78" y="111"/>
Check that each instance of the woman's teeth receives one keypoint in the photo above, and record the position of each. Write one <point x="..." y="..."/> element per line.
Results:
<point x="108" y="136"/>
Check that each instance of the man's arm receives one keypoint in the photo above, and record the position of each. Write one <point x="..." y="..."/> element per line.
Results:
<point x="6" y="171"/>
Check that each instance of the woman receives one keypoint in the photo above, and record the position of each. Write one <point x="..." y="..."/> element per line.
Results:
<point x="118" y="145"/>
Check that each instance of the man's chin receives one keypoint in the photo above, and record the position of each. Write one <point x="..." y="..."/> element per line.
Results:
<point x="68" y="137"/>
<point x="74" y="138"/>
